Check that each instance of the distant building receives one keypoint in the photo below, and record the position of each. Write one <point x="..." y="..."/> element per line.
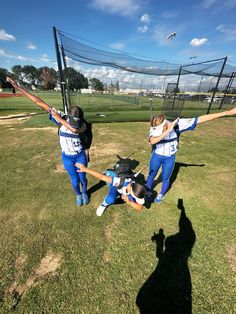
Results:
<point x="86" y="91"/>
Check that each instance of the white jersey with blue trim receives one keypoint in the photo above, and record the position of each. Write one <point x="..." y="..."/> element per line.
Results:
<point x="123" y="190"/>
<point x="168" y="146"/>
<point x="70" y="142"/>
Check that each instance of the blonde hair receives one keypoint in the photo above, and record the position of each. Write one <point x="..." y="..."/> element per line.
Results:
<point x="157" y="119"/>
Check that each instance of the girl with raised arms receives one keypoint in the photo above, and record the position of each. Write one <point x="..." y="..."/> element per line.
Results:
<point x="164" y="136"/>
<point x="70" y="128"/>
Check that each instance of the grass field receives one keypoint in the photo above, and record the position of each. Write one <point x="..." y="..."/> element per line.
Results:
<point x="60" y="258"/>
<point x="104" y="108"/>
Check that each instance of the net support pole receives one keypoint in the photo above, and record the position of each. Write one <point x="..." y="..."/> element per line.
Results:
<point x="60" y="71"/>
<point x="217" y="83"/>
<point x="66" y="80"/>
<point x="177" y="86"/>
<point x="231" y="79"/>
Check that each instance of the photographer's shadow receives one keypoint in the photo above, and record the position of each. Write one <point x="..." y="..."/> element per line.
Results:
<point x="169" y="290"/>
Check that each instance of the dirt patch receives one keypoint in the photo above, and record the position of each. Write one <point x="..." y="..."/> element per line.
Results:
<point x="10" y="95"/>
<point x="16" y="118"/>
<point x="49" y="264"/>
<point x="232" y="257"/>
<point x="59" y="169"/>
<point x="13" y="120"/>
<point x="108" y="234"/>
<point x="108" y="149"/>
<point x="103" y="131"/>
<point x="20" y="261"/>
<point x="48" y="128"/>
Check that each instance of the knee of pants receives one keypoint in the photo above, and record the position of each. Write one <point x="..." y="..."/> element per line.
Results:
<point x="110" y="199"/>
<point x="83" y="180"/>
<point x="75" y="182"/>
<point x="152" y="173"/>
<point x="82" y="177"/>
<point x="166" y="181"/>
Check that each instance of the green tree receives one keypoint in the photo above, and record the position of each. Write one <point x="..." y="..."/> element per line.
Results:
<point x="48" y="78"/>
<point x="3" y="74"/>
<point x="31" y="74"/>
<point x="17" y="73"/>
<point x="75" y="79"/>
<point x="96" y="84"/>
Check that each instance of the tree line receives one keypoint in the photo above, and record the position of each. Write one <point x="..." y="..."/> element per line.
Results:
<point x="48" y="78"/>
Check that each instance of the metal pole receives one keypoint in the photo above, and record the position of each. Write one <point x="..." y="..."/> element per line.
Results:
<point x="68" y="100"/>
<point x="231" y="79"/>
<point x="151" y="109"/>
<point x="177" y="86"/>
<point x="62" y="81"/>
<point x="199" y="86"/>
<point x="217" y="83"/>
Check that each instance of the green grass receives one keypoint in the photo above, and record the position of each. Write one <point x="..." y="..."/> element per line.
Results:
<point x="104" y="261"/>
<point x="116" y="108"/>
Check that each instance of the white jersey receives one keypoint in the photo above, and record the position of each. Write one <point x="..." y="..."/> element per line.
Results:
<point x="169" y="144"/>
<point x="116" y="181"/>
<point x="70" y="142"/>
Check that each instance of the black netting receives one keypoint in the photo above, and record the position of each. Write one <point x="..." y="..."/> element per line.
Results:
<point x="86" y="54"/>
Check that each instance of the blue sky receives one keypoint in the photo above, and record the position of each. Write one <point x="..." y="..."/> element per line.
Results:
<point x="204" y="28"/>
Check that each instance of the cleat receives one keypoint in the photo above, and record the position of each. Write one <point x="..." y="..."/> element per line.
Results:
<point x="79" y="200"/>
<point x="159" y="198"/>
<point x="85" y="199"/>
<point x="100" y="210"/>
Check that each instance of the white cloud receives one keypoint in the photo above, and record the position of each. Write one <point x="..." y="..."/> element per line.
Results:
<point x="3" y="53"/>
<point x="196" y="42"/>
<point x="120" y="7"/>
<point x="31" y="46"/>
<point x="5" y="36"/>
<point x="119" y="45"/>
<point x="229" y="33"/>
<point x="145" y="18"/>
<point x="45" y="58"/>
<point x="142" y="29"/>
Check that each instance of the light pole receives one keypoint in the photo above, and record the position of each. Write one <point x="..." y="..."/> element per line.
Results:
<point x="192" y="58"/>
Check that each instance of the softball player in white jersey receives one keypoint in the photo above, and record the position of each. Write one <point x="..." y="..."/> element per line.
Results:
<point x="164" y="136"/>
<point x="72" y="151"/>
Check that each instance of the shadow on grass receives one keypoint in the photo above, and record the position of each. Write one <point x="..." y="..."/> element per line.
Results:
<point x="168" y="290"/>
<point x="175" y="172"/>
<point x="174" y="176"/>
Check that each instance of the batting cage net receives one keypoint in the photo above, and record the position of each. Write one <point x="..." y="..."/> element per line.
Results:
<point x="137" y="88"/>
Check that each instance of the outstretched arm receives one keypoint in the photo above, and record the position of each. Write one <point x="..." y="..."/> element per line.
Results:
<point x="96" y="174"/>
<point x="39" y="102"/>
<point x="213" y="116"/>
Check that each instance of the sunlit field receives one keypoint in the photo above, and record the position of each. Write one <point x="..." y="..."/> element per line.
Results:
<point x="107" y="108"/>
<point x="60" y="258"/>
